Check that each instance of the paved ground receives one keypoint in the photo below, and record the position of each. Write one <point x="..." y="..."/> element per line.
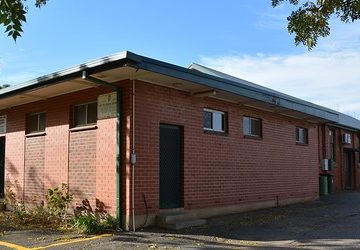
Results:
<point x="331" y="223"/>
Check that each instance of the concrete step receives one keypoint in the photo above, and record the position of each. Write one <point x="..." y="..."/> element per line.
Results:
<point x="177" y="216"/>
<point x="179" y="220"/>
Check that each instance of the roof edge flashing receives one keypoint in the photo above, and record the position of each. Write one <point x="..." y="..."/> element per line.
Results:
<point x="66" y="74"/>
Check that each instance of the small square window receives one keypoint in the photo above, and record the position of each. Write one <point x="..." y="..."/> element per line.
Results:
<point x="35" y="122"/>
<point x="302" y="135"/>
<point x="252" y="126"/>
<point x="214" y="120"/>
<point x="85" y="114"/>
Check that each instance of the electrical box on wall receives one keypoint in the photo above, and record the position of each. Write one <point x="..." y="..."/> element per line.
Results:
<point x="346" y="138"/>
<point x="325" y="164"/>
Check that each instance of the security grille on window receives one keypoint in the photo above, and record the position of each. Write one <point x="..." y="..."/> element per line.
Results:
<point x="302" y="135"/>
<point x="35" y="122"/>
<point x="252" y="126"/>
<point x="214" y="120"/>
<point x="85" y="114"/>
<point x="2" y="124"/>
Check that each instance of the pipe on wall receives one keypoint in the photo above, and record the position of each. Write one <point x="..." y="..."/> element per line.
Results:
<point x="118" y="90"/>
<point x="133" y="157"/>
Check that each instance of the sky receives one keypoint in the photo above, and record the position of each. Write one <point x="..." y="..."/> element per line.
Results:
<point x="247" y="39"/>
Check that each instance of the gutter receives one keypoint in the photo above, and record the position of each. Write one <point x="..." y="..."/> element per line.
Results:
<point x="218" y="83"/>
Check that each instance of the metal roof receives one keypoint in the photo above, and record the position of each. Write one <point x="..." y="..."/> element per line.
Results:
<point x="196" y="74"/>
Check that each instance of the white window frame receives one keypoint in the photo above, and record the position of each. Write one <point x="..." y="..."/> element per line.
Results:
<point x="305" y="138"/>
<point x="223" y="117"/>
<point x="250" y="130"/>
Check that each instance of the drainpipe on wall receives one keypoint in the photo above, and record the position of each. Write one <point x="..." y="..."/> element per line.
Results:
<point x="118" y="156"/>
<point x="323" y="130"/>
<point x="133" y="157"/>
<point x="118" y="140"/>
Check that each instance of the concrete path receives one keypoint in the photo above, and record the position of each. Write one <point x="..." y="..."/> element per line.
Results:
<point x="330" y="223"/>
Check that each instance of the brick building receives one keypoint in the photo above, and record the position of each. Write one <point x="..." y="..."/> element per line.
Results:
<point x="146" y="137"/>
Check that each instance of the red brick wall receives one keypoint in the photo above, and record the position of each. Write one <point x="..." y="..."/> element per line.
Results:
<point x="14" y="152"/>
<point x="222" y="169"/>
<point x="105" y="163"/>
<point x="218" y="169"/>
<point x="34" y="170"/>
<point x="82" y="165"/>
<point x="61" y="151"/>
<point x="338" y="171"/>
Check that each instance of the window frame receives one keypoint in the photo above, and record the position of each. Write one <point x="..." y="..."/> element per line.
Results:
<point x="223" y="121"/>
<point x="87" y="123"/>
<point x="38" y="129"/>
<point x="297" y="135"/>
<point x="250" y="134"/>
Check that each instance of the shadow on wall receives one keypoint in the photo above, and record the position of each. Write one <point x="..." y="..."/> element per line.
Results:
<point x="14" y="186"/>
<point x="100" y="207"/>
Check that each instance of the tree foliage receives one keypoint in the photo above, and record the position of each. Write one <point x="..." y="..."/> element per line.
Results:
<point x="311" y="20"/>
<point x="13" y="15"/>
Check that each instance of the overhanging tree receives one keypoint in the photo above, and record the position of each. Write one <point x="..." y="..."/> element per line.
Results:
<point x="311" y="20"/>
<point x="13" y="15"/>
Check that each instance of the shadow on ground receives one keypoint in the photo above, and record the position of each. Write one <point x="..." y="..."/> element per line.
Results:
<point x="331" y="222"/>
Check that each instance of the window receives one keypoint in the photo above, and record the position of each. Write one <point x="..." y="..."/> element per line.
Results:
<point x="302" y="135"/>
<point x="252" y="126"/>
<point x="35" y="122"/>
<point x="332" y="143"/>
<point x="85" y="114"/>
<point x="214" y="120"/>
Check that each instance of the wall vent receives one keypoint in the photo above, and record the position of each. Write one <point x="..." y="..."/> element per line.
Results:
<point x="2" y="124"/>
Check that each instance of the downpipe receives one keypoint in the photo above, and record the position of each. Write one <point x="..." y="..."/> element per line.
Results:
<point x="133" y="158"/>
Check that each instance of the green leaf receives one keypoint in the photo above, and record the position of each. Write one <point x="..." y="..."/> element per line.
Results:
<point x="8" y="28"/>
<point x="7" y="22"/>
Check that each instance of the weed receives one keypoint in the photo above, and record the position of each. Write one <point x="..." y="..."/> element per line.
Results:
<point x="89" y="221"/>
<point x="58" y="201"/>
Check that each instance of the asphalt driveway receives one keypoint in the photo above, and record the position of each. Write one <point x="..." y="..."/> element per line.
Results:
<point x="333" y="222"/>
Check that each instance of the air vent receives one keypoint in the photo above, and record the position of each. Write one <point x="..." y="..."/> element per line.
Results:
<point x="2" y="124"/>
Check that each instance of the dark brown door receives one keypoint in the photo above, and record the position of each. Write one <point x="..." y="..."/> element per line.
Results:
<point x="348" y="169"/>
<point x="2" y="166"/>
<point x="170" y="166"/>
